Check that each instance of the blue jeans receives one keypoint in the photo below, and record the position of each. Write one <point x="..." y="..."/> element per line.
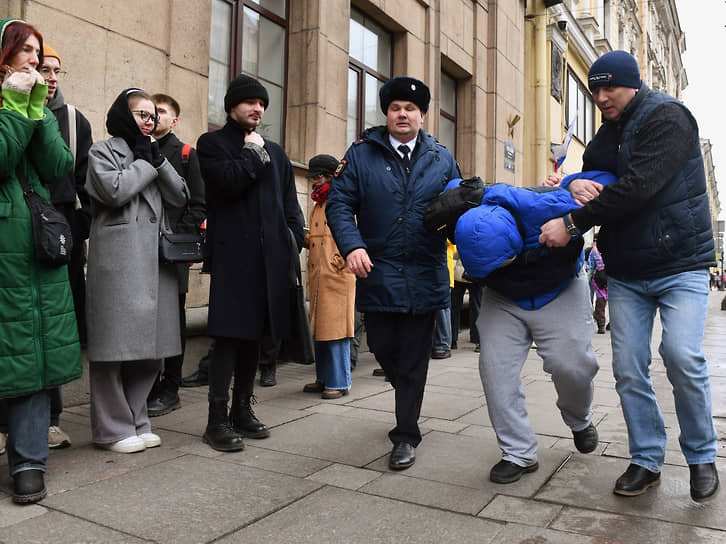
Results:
<point x="27" y="429"/>
<point x="682" y="300"/>
<point x="442" y="331"/>
<point x="332" y="363"/>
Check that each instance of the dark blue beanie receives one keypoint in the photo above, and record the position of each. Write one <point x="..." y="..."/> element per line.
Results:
<point x="405" y="88"/>
<point x="614" y="69"/>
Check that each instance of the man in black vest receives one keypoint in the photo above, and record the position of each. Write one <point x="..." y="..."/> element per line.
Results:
<point x="164" y="396"/>
<point x="657" y="245"/>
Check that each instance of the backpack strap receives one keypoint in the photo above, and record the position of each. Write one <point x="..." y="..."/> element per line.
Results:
<point x="186" y="150"/>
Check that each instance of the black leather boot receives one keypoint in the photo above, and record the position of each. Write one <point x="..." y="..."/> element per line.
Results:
<point x="243" y="419"/>
<point x="219" y="434"/>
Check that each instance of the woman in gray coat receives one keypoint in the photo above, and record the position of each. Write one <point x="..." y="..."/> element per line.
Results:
<point x="132" y="299"/>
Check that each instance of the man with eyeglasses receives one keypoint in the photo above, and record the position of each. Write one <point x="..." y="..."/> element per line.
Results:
<point x="69" y="196"/>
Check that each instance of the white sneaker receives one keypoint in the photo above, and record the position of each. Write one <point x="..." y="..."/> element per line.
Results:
<point x="151" y="440"/>
<point x="3" y="442"/>
<point x="58" y="438"/>
<point x="127" y="445"/>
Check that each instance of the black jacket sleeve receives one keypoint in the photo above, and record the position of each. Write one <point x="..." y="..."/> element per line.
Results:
<point x="662" y="147"/>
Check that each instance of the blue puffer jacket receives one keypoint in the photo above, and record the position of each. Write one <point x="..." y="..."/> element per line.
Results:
<point x="409" y="264"/>
<point x="507" y="226"/>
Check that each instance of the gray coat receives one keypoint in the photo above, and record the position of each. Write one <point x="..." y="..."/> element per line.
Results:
<point x="132" y="303"/>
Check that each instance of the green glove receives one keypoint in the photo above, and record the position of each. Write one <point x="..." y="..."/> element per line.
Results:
<point x="16" y="101"/>
<point x="37" y="101"/>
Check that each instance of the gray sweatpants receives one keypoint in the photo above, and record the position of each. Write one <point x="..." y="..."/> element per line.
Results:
<point x="562" y="331"/>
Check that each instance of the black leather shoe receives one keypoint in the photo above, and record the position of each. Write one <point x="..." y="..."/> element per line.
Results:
<point x="403" y="456"/>
<point x="267" y="375"/>
<point x="379" y="372"/>
<point x="704" y="482"/>
<point x="586" y="440"/>
<point x="197" y="379"/>
<point x="222" y="437"/>
<point x="506" y="472"/>
<point x="29" y="486"/>
<point x="441" y="354"/>
<point x="163" y="403"/>
<point x="636" y="481"/>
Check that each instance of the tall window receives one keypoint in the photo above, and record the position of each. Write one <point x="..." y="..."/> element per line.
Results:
<point x="369" y="68"/>
<point x="249" y="37"/>
<point x="447" y="121"/>
<point x="579" y="102"/>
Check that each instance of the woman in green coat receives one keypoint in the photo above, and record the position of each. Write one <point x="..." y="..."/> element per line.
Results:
<point x="38" y="335"/>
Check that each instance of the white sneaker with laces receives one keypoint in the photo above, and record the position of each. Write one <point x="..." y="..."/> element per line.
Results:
<point x="127" y="445"/>
<point x="58" y="438"/>
<point x="151" y="440"/>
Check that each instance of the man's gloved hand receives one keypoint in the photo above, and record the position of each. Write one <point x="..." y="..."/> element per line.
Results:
<point x="445" y="209"/>
<point x="142" y="149"/>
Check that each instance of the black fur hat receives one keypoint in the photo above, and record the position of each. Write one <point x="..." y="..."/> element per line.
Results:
<point x="405" y="88"/>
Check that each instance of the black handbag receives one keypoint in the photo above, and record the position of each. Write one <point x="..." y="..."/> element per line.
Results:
<point x="180" y="247"/>
<point x="298" y="347"/>
<point x="52" y="237"/>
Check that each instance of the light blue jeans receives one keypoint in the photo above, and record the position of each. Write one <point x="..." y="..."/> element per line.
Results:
<point x="442" y="331"/>
<point x="682" y="300"/>
<point x="332" y="363"/>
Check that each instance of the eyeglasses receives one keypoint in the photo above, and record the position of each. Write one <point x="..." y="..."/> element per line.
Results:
<point x="145" y="116"/>
<point x="45" y="72"/>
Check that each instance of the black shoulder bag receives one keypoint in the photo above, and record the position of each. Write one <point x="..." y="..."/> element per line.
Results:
<point x="51" y="232"/>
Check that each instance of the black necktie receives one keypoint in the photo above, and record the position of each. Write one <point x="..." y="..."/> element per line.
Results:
<point x="406" y="160"/>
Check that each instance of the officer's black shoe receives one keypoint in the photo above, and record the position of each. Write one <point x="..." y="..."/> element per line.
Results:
<point x="403" y="456"/>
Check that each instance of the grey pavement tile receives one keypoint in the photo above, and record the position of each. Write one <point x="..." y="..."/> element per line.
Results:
<point x="84" y="464"/>
<point x="11" y="513"/>
<point x="465" y="461"/>
<point x="212" y="498"/>
<point x="333" y="515"/>
<point x="587" y="482"/>
<point x="346" y="440"/>
<point x="387" y="417"/>
<point x="480" y="416"/>
<point x="344" y="476"/>
<point x="429" y="493"/>
<point x="464" y="379"/>
<point x="255" y="455"/>
<point x="443" y="425"/>
<point x="330" y="408"/>
<point x="59" y="528"/>
<point x="526" y="534"/>
<point x="605" y="527"/>
<point x="472" y="392"/>
<point x="523" y="511"/>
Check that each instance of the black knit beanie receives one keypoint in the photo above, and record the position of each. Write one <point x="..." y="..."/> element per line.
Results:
<point x="120" y="121"/>
<point x="322" y="164"/>
<point x="243" y="87"/>
<point x="614" y="69"/>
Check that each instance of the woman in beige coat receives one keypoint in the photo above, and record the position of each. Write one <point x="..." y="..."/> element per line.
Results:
<point x="331" y="290"/>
